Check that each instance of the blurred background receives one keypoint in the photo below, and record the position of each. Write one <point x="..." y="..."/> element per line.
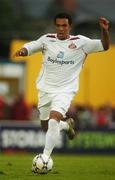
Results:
<point x="93" y="107"/>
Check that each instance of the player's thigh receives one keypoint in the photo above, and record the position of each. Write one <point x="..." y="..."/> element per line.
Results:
<point x="61" y="102"/>
<point x="44" y="102"/>
<point x="44" y="116"/>
<point x="44" y="112"/>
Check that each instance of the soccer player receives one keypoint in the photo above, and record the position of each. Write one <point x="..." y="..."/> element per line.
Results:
<point x="63" y="59"/>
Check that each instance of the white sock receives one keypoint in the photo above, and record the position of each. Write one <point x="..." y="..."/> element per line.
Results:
<point x="52" y="136"/>
<point x="63" y="125"/>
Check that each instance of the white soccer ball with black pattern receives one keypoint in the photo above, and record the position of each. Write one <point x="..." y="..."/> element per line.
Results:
<point x="41" y="164"/>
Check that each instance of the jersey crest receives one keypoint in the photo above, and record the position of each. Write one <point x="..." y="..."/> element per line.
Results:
<point x="72" y="46"/>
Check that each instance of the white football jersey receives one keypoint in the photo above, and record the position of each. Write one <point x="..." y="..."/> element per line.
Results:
<point x="62" y="61"/>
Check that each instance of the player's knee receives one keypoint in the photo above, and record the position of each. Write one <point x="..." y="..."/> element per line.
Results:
<point x="56" y="115"/>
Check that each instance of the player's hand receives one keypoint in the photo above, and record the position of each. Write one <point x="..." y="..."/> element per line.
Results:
<point x="104" y="23"/>
<point x="21" y="52"/>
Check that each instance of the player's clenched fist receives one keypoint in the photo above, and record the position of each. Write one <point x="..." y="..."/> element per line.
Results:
<point x="104" y="23"/>
<point x="21" y="52"/>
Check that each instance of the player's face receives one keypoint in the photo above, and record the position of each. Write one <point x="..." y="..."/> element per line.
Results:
<point x="62" y="28"/>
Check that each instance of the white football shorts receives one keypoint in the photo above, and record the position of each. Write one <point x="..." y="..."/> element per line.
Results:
<point x="59" y="102"/>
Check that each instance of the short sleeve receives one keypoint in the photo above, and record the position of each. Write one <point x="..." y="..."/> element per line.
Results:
<point x="92" y="45"/>
<point x="34" y="46"/>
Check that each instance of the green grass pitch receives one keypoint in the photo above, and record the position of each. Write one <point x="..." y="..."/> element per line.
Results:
<point x="66" y="167"/>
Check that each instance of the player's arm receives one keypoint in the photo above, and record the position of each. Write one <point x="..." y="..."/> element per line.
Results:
<point x="30" y="48"/>
<point x="105" y="38"/>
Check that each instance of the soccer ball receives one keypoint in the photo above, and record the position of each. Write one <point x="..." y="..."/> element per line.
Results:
<point x="41" y="164"/>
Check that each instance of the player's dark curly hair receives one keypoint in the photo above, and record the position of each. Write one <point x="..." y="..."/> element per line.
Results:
<point x="62" y="16"/>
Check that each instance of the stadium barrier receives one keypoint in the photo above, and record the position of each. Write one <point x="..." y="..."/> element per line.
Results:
<point x="28" y="136"/>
